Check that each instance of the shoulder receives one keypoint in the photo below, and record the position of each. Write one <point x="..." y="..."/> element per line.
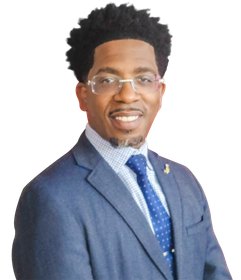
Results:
<point x="61" y="179"/>
<point x="174" y="166"/>
<point x="184" y="178"/>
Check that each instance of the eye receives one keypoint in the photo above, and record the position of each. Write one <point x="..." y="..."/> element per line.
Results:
<point x="144" y="79"/>
<point x="106" y="80"/>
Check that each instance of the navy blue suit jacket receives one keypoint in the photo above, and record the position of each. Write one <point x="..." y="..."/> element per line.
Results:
<point x="77" y="221"/>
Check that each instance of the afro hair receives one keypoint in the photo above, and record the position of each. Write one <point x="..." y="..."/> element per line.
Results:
<point x="115" y="23"/>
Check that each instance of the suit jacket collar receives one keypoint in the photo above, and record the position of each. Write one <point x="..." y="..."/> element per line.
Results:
<point x="120" y="198"/>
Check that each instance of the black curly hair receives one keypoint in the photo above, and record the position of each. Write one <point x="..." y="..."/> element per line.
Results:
<point x="115" y="23"/>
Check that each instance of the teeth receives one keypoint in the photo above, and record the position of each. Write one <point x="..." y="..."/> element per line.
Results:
<point x="127" y="119"/>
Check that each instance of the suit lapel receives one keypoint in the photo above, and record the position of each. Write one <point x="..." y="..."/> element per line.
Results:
<point x="171" y="192"/>
<point x="109" y="185"/>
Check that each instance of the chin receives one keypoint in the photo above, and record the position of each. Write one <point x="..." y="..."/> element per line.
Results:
<point x="134" y="142"/>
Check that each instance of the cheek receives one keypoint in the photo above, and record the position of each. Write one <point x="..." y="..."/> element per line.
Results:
<point x="157" y="103"/>
<point x="97" y="105"/>
<point x="154" y="104"/>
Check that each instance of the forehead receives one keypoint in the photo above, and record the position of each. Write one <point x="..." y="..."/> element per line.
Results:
<point x="125" y="56"/>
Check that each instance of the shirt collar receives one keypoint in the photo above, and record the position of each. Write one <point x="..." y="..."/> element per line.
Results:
<point x="116" y="157"/>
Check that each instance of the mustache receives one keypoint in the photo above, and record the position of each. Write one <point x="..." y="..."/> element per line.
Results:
<point x="126" y="110"/>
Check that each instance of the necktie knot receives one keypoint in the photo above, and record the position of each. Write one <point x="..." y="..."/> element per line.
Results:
<point x="137" y="164"/>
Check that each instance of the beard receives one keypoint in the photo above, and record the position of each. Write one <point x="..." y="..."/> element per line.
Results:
<point x="131" y="142"/>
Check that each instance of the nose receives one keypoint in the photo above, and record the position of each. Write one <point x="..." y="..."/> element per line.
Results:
<point x="126" y="94"/>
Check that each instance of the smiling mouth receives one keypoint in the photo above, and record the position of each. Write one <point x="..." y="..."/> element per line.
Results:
<point x="126" y="122"/>
<point x="127" y="118"/>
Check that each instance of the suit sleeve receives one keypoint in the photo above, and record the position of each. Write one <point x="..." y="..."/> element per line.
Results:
<point x="215" y="267"/>
<point x="49" y="244"/>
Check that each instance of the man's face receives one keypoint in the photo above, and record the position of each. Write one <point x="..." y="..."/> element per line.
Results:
<point x="110" y="114"/>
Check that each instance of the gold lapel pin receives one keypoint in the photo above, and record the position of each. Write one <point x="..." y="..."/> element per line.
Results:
<point x="167" y="169"/>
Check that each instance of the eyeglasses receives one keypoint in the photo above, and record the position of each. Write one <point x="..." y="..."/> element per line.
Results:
<point x="109" y="84"/>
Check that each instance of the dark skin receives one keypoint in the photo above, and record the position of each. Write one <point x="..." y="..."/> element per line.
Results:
<point x="126" y="116"/>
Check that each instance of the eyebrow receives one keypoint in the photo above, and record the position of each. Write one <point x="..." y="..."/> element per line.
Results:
<point x="138" y="70"/>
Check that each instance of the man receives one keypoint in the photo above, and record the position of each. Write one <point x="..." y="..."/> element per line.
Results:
<point x="109" y="208"/>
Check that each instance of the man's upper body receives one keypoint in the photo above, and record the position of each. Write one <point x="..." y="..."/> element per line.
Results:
<point x="85" y="217"/>
<point x="78" y="220"/>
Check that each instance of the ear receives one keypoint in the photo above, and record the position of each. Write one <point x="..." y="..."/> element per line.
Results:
<point x="81" y="93"/>
<point x="162" y="91"/>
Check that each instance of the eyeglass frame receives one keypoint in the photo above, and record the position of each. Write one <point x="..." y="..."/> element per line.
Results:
<point x="121" y="81"/>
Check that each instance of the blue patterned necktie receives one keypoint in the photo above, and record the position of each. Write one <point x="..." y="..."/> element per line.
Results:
<point x="160" y="219"/>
